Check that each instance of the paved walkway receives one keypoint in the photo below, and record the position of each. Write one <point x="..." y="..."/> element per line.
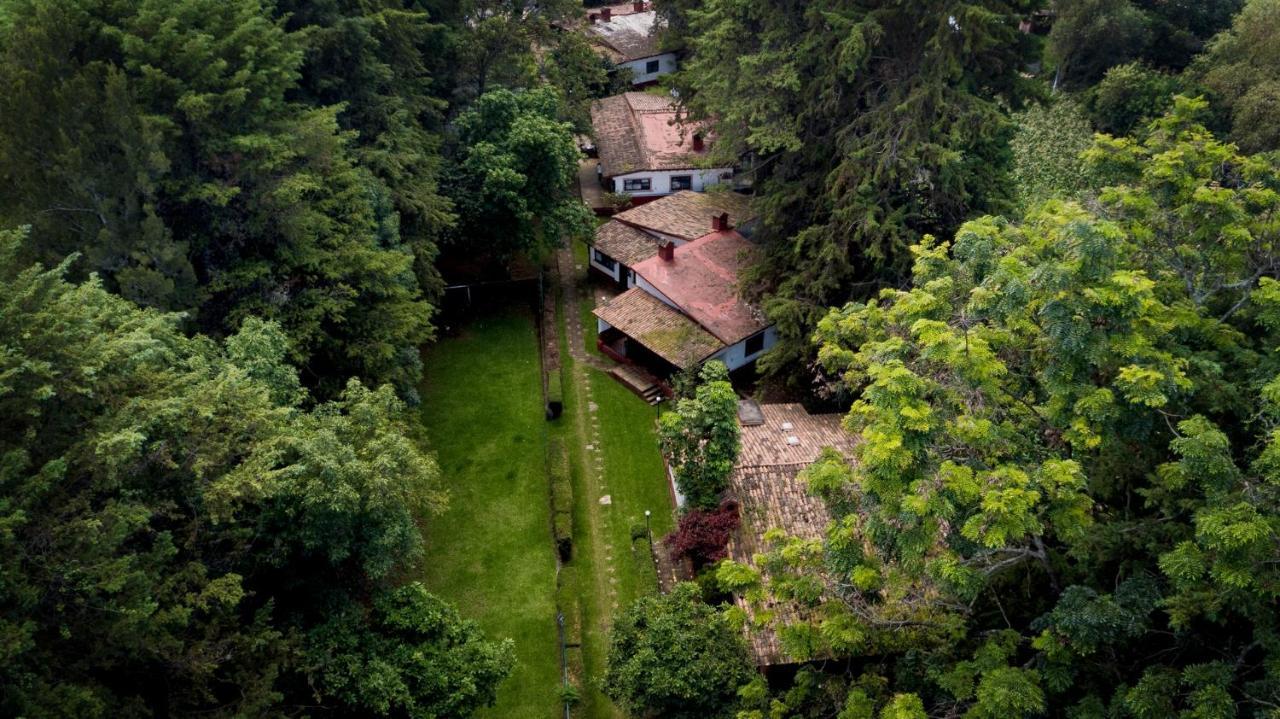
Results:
<point x="589" y="185"/>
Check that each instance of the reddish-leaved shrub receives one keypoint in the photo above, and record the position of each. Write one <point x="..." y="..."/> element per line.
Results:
<point x="703" y="535"/>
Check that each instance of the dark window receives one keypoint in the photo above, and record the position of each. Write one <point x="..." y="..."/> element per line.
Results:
<point x="604" y="260"/>
<point x="755" y="344"/>
<point x="652" y="66"/>
<point x="681" y="182"/>
<point x="634" y="185"/>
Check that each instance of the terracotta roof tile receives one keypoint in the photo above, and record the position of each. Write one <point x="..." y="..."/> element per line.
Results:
<point x="687" y="214"/>
<point x="664" y="331"/>
<point x="702" y="280"/>
<point x="629" y="35"/>
<point x="625" y="243"/>
<point x="771" y="495"/>
<point x="640" y="131"/>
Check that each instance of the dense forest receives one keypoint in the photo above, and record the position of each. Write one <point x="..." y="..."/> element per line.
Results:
<point x="1030" y="249"/>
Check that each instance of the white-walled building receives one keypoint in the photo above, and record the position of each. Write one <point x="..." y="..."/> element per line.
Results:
<point x="627" y="35"/>
<point x="686" y="307"/>
<point x="634" y="236"/>
<point x="647" y="150"/>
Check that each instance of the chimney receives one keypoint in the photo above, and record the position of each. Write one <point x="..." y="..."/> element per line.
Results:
<point x="667" y="251"/>
<point x="697" y="142"/>
<point x="606" y="14"/>
<point x="637" y="6"/>
<point x="720" y="223"/>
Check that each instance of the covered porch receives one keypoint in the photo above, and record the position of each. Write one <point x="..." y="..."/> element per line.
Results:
<point x="637" y="329"/>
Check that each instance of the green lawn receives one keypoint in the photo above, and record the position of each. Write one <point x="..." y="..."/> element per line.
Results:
<point x="490" y="552"/>
<point x="633" y="475"/>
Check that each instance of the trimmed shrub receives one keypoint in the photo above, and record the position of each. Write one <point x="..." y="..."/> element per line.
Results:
<point x="555" y="396"/>
<point x="562" y="529"/>
<point x="703" y="536"/>
<point x="558" y="472"/>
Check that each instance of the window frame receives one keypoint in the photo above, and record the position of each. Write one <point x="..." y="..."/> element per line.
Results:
<point x="746" y="344"/>
<point x="637" y="184"/>
<point x="686" y="182"/>
<point x="603" y="260"/>
<point x="652" y="66"/>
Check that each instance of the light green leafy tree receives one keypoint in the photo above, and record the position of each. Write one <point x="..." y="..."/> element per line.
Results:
<point x="514" y="181"/>
<point x="1047" y="149"/>
<point x="1064" y="498"/>
<point x="675" y="656"/>
<point x="701" y="438"/>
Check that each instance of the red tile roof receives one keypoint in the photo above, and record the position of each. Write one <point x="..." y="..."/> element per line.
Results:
<point x="687" y="214"/>
<point x="702" y="280"/>
<point x="766" y="482"/>
<point x="665" y="332"/>
<point x="640" y="131"/>
<point x="630" y="35"/>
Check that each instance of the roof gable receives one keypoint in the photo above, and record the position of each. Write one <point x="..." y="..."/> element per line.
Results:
<point x="687" y="214"/>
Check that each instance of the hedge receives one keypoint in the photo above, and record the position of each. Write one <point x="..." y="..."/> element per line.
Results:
<point x="561" y="496"/>
<point x="555" y="395"/>
<point x="558" y="471"/>
<point x="562" y="528"/>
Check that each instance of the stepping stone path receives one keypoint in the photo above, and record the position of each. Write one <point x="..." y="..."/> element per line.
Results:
<point x="584" y="364"/>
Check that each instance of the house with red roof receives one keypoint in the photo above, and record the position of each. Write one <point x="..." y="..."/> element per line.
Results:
<point x="687" y="307"/>
<point x="633" y="236"/>
<point x="648" y="150"/>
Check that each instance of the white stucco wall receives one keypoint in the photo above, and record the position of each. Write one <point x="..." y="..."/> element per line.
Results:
<point x="660" y="180"/>
<point x="617" y="266"/>
<point x="639" y="72"/>
<point x="735" y="355"/>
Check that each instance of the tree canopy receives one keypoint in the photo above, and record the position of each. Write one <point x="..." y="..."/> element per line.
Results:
<point x="701" y="438"/>
<point x="1241" y="67"/>
<point x="514" y="183"/>
<point x="674" y="656"/>
<point x="1064" y="499"/>
<point x="180" y="530"/>
<point x="869" y="124"/>
<point x="163" y="141"/>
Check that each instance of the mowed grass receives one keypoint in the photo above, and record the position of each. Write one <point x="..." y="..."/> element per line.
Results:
<point x="634" y="478"/>
<point x="490" y="552"/>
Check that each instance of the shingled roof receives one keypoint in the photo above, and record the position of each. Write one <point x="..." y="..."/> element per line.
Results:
<point x="625" y="243"/>
<point x="771" y="495"/>
<point x="628" y="35"/>
<point x="702" y="280"/>
<point x="639" y="131"/>
<point x="687" y="214"/>
<point x="664" y="331"/>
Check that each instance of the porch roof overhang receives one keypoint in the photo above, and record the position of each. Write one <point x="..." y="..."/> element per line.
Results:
<point x="660" y="328"/>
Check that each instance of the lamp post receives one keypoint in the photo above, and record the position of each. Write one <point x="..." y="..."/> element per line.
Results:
<point x="647" y="531"/>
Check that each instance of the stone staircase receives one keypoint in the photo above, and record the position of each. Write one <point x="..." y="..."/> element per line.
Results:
<point x="639" y="382"/>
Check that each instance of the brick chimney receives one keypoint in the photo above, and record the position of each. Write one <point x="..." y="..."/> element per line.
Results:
<point x="606" y="14"/>
<point x="667" y="251"/>
<point x="698" y="145"/>
<point x="720" y="223"/>
<point x="637" y="6"/>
